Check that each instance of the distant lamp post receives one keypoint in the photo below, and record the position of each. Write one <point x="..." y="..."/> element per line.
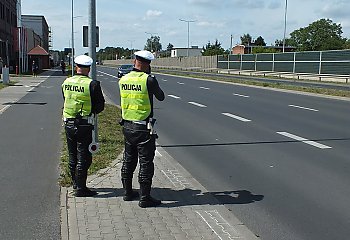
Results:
<point x="285" y="25"/>
<point x="132" y="50"/>
<point x="72" y="54"/>
<point x="151" y="38"/>
<point x="188" y="34"/>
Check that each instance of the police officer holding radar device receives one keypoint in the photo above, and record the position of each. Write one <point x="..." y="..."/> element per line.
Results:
<point x="136" y="91"/>
<point x="83" y="99"/>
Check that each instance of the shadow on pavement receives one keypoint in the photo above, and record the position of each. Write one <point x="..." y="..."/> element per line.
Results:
<point x="187" y="197"/>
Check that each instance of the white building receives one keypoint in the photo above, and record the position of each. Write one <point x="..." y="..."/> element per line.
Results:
<point x="194" y="51"/>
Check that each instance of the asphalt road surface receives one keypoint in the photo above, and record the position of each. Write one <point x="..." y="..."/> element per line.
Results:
<point x="283" y="156"/>
<point x="30" y="150"/>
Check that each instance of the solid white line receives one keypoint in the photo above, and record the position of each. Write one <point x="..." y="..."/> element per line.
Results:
<point x="236" y="117"/>
<point x="173" y="96"/>
<point x="310" y="109"/>
<point x="181" y="83"/>
<point x="239" y="95"/>
<point x="304" y="140"/>
<point x="108" y="74"/>
<point x="197" y="104"/>
<point x="205" y="88"/>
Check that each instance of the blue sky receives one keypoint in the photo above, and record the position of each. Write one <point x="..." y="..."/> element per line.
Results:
<point x="124" y="22"/>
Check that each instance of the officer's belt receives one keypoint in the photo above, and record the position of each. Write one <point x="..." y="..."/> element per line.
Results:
<point x="137" y="122"/>
<point x="77" y="121"/>
<point x="72" y="119"/>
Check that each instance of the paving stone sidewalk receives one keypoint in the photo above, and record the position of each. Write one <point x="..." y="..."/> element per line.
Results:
<point x="188" y="211"/>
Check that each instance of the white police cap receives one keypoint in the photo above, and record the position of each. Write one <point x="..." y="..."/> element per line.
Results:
<point x="145" y="55"/>
<point x="83" y="60"/>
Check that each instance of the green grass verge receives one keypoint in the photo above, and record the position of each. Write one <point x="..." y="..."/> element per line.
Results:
<point x="7" y="85"/>
<point x="236" y="79"/>
<point x="111" y="142"/>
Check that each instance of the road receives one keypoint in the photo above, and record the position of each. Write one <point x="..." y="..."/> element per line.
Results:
<point x="284" y="156"/>
<point x="30" y="150"/>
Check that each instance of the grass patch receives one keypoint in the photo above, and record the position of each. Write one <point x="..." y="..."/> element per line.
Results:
<point x="12" y="83"/>
<point x="111" y="142"/>
<point x="236" y="79"/>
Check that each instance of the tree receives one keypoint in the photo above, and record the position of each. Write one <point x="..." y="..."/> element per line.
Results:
<point x="347" y="44"/>
<point x="287" y="42"/>
<point x="246" y="39"/>
<point x="213" y="49"/>
<point x="153" y="44"/>
<point x="320" y="35"/>
<point x="260" y="41"/>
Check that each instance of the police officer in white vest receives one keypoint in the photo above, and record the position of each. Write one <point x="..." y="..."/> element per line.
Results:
<point x="137" y="89"/>
<point x="82" y="98"/>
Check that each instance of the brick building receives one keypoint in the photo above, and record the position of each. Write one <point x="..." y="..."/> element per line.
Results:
<point x="8" y="30"/>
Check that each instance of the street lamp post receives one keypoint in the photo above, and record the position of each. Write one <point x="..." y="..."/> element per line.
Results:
<point x="72" y="60"/>
<point x="132" y="50"/>
<point x="285" y="25"/>
<point x="188" y="34"/>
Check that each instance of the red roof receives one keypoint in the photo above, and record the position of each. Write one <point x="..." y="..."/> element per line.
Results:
<point x="38" y="51"/>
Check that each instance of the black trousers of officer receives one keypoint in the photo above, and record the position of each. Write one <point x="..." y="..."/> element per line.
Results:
<point x="139" y="145"/>
<point x="79" y="137"/>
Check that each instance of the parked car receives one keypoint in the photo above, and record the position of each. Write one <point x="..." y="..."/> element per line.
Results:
<point x="124" y="69"/>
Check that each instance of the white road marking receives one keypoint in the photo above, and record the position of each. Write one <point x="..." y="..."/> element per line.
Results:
<point x="197" y="104"/>
<point x="158" y="154"/>
<point x="237" y="117"/>
<point x="164" y="80"/>
<point x="310" y="109"/>
<point x="205" y="88"/>
<point x="173" y="96"/>
<point x="108" y="74"/>
<point x="220" y="227"/>
<point x="181" y="83"/>
<point x="4" y="109"/>
<point x="240" y="95"/>
<point x="304" y="140"/>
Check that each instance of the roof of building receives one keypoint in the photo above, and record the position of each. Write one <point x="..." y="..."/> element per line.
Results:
<point x="38" y="51"/>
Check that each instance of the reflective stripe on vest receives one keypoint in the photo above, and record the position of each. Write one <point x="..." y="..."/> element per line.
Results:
<point x="77" y="99"/>
<point x="135" y="102"/>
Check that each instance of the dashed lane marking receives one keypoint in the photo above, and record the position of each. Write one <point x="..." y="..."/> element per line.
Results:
<point x="236" y="117"/>
<point x="197" y="104"/>
<point x="304" y="140"/>
<point x="205" y="88"/>
<point x="305" y="108"/>
<point x="240" y="95"/>
<point x="173" y="96"/>
<point x="108" y="74"/>
<point x="181" y="83"/>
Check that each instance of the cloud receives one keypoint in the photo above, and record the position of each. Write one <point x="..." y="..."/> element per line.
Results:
<point x="209" y="24"/>
<point x="338" y="9"/>
<point x="153" y="13"/>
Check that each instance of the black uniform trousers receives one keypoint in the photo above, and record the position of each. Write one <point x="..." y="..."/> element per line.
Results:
<point x="140" y="146"/>
<point x="79" y="137"/>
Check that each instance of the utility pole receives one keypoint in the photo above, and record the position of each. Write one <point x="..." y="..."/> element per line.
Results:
<point x="231" y="44"/>
<point x="188" y="34"/>
<point x="92" y="37"/>
<point x="285" y="26"/>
